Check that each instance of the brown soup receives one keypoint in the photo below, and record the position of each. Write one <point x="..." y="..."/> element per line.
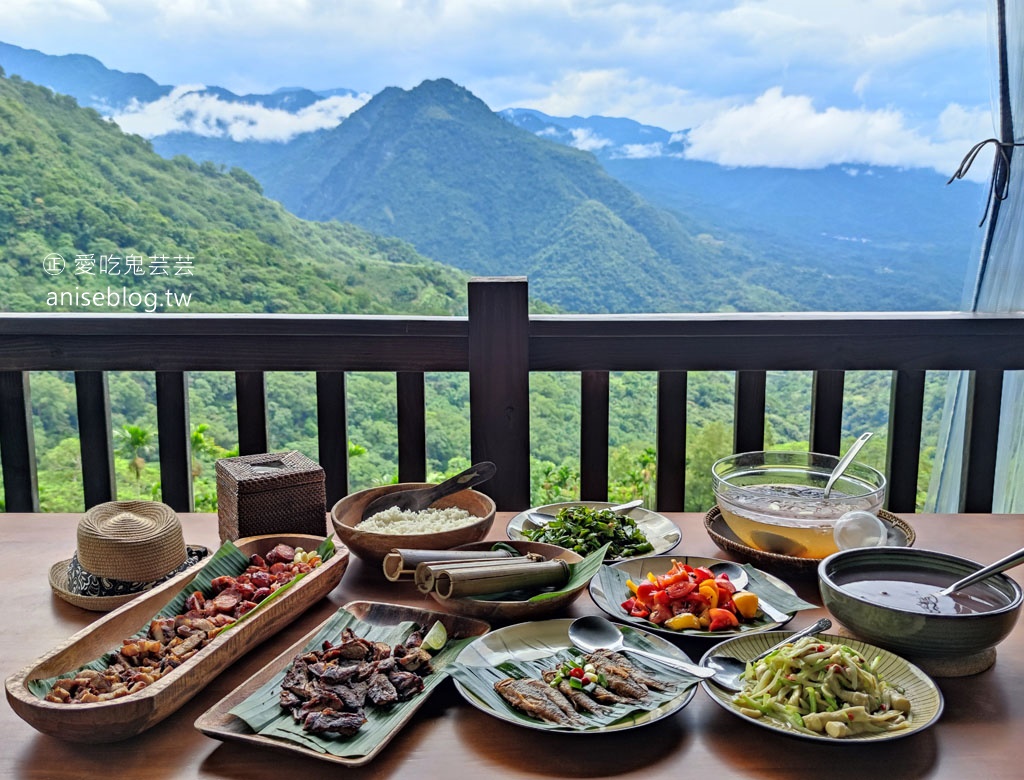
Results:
<point x="918" y="592"/>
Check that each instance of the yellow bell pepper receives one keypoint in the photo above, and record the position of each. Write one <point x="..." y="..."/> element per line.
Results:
<point x="709" y="590"/>
<point x="682" y="621"/>
<point x="632" y="586"/>
<point x="746" y="603"/>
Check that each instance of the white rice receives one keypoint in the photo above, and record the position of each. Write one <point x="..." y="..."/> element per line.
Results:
<point x="425" y="521"/>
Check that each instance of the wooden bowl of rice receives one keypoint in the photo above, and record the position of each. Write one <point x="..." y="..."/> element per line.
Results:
<point x="457" y="519"/>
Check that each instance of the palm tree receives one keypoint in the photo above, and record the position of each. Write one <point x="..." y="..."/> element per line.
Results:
<point x="135" y="441"/>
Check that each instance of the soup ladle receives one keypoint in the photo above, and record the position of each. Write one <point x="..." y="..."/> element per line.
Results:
<point x="845" y="461"/>
<point x="1001" y="565"/>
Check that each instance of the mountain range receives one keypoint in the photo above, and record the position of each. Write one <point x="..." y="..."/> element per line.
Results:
<point x="602" y="214"/>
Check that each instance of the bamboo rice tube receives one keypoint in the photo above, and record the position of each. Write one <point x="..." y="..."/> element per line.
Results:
<point x="485" y="579"/>
<point x="426" y="572"/>
<point x="403" y="562"/>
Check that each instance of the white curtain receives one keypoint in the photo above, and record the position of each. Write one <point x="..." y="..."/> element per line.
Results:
<point x="996" y="285"/>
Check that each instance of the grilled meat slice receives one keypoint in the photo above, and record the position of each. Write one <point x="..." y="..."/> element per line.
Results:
<point x="380" y="691"/>
<point x="333" y="723"/>
<point x="415" y="660"/>
<point x="539" y="700"/>
<point x="407" y="684"/>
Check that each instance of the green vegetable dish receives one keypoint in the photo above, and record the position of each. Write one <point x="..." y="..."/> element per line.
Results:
<point x="583" y="530"/>
<point x="823" y="688"/>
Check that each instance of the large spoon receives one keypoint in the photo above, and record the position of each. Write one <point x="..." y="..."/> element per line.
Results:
<point x="420" y="498"/>
<point x="1002" y="564"/>
<point x="592" y="633"/>
<point x="534" y="520"/>
<point x="845" y="461"/>
<point x="728" y="670"/>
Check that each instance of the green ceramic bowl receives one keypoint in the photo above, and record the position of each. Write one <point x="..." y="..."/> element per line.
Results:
<point x="915" y="628"/>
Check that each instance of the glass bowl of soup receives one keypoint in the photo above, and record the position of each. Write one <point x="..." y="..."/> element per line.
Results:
<point x="889" y="596"/>
<point x="775" y="501"/>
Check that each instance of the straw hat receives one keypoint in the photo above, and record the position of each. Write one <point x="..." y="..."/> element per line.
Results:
<point x="124" y="548"/>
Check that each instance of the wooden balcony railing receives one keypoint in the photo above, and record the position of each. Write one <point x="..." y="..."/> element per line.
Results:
<point x="498" y="345"/>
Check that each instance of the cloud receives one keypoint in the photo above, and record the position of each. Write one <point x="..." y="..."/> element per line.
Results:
<point x="586" y="139"/>
<point x="787" y="131"/>
<point x="186" y="109"/>
<point x="640" y="151"/>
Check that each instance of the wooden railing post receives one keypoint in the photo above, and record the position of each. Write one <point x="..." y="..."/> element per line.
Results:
<point x="827" y="412"/>
<point x="96" y="439"/>
<point x="174" y="440"/>
<point x="748" y="411"/>
<point x="17" y="443"/>
<point x="412" y="429"/>
<point x="671" y="440"/>
<point x="499" y="386"/>
<point x="251" y="402"/>
<point x="332" y="423"/>
<point x="594" y="435"/>
<point x="903" y="458"/>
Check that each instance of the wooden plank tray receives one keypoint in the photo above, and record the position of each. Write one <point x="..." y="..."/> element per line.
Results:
<point x="109" y="721"/>
<point x="219" y="723"/>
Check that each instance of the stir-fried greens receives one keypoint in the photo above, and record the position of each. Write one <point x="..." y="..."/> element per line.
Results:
<point x="583" y="530"/>
<point x="822" y="688"/>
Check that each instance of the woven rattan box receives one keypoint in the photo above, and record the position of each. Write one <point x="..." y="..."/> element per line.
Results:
<point x="270" y="493"/>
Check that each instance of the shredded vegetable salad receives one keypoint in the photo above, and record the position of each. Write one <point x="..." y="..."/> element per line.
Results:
<point x="822" y="688"/>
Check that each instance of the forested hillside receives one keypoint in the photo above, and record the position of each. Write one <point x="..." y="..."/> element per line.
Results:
<point x="72" y="183"/>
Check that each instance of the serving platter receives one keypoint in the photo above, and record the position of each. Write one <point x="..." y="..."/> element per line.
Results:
<point x="220" y="723"/>
<point x="538" y="643"/>
<point x="637" y="571"/>
<point x="899" y="533"/>
<point x="925" y="697"/>
<point x="661" y="532"/>
<point x="129" y="715"/>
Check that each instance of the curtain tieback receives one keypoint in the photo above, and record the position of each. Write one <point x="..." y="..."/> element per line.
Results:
<point x="999" y="184"/>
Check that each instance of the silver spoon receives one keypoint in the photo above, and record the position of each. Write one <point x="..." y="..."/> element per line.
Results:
<point x="1002" y="564"/>
<point x="845" y="461"/>
<point x="535" y="520"/>
<point x="729" y="670"/>
<point x="738" y="577"/>
<point x="593" y="632"/>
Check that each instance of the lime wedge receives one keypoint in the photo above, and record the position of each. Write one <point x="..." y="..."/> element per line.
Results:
<point x="436" y="637"/>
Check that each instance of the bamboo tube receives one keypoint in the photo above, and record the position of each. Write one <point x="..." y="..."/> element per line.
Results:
<point x="457" y="583"/>
<point x="427" y="572"/>
<point x="403" y="562"/>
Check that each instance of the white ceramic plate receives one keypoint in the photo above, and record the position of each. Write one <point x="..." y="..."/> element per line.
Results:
<point x="637" y="570"/>
<point x="925" y="698"/>
<point x="540" y="640"/>
<point x="661" y="532"/>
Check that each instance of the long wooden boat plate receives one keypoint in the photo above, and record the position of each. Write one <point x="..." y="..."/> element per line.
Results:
<point x="109" y="721"/>
<point x="219" y="723"/>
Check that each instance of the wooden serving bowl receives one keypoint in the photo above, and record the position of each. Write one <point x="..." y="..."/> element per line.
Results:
<point x="515" y="610"/>
<point x="348" y="513"/>
<point x="117" y="719"/>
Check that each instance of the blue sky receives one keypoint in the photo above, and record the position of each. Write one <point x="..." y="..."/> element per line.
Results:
<point x="791" y="83"/>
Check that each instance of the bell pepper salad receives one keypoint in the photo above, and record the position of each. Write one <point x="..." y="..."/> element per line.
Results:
<point x="688" y="597"/>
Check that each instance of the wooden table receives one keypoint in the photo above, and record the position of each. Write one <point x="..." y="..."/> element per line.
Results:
<point x="979" y="735"/>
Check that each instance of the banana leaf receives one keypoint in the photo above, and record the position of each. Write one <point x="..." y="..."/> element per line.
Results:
<point x="262" y="711"/>
<point x="579" y="575"/>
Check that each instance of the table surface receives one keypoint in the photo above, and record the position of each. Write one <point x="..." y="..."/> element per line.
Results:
<point x="978" y="734"/>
